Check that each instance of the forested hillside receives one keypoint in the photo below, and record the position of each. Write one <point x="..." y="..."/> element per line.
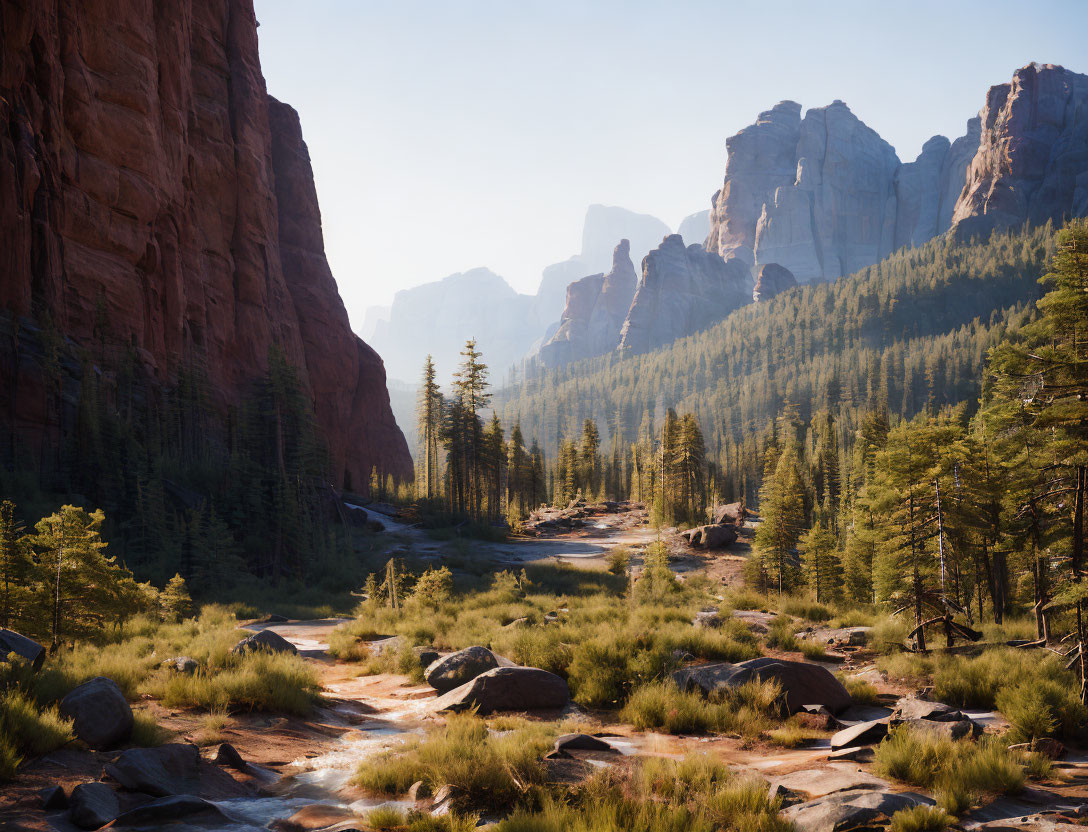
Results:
<point x="911" y="332"/>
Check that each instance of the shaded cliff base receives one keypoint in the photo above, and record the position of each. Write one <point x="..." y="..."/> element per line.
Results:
<point x="229" y="493"/>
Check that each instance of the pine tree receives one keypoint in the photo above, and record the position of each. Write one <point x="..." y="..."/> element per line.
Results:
<point x="16" y="567"/>
<point x="781" y="509"/>
<point x="429" y="414"/>
<point x="820" y="563"/>
<point x="174" y="600"/>
<point x="470" y="389"/>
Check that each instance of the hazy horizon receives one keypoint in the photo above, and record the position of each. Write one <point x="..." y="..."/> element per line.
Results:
<point x="448" y="137"/>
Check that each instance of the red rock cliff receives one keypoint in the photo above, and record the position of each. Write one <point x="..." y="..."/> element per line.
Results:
<point x="151" y="189"/>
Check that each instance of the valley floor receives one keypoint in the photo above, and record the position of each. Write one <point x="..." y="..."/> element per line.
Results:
<point x="297" y="762"/>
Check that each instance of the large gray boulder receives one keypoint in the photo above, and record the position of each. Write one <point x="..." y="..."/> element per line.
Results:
<point x="711" y="536"/>
<point x="849" y="810"/>
<point x="456" y="669"/>
<point x="93" y="805"/>
<point x="100" y="714"/>
<point x="507" y="689"/>
<point x="170" y="769"/>
<point x="960" y="729"/>
<point x="864" y="733"/>
<point x="266" y="640"/>
<point x="25" y="648"/>
<point x="803" y="683"/>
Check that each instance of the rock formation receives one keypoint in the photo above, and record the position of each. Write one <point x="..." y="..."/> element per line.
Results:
<point x="596" y="308"/>
<point x="437" y="318"/>
<point x="824" y="196"/>
<point x="773" y="280"/>
<point x="604" y="227"/>
<point x="1032" y="162"/>
<point x="154" y="200"/>
<point x="683" y="289"/>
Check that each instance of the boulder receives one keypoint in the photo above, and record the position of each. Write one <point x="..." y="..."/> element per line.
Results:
<point x="25" y="648"/>
<point x="165" y="810"/>
<point x="181" y="664"/>
<point x="170" y="769"/>
<point x="910" y="708"/>
<point x="802" y="683"/>
<point x="830" y="778"/>
<point x="710" y="536"/>
<point x="227" y="755"/>
<point x="53" y="798"/>
<point x="864" y="733"/>
<point x="93" y="805"/>
<point x="728" y="514"/>
<point x="317" y="816"/>
<point x="772" y="280"/>
<point x="426" y="656"/>
<point x="581" y="742"/>
<point x="962" y="729"/>
<point x="267" y="640"/>
<point x="839" y="636"/>
<point x="456" y="669"/>
<point x="100" y="714"/>
<point x="857" y="809"/>
<point x="507" y="689"/>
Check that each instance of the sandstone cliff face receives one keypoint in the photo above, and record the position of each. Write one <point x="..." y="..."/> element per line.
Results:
<point x="1032" y="163"/>
<point x="683" y="289"/>
<point x="824" y="196"/>
<point x="153" y="197"/>
<point x="595" y="311"/>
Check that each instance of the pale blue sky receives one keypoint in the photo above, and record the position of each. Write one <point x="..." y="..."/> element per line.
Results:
<point x="448" y="135"/>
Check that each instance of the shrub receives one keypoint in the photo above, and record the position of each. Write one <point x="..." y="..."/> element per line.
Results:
<point x="30" y="730"/>
<point x="860" y="691"/>
<point x="920" y="818"/>
<point x="782" y="634"/>
<point x="211" y="727"/>
<point x="493" y="771"/>
<point x="618" y="560"/>
<point x="808" y="610"/>
<point x="386" y="817"/>
<point x="961" y="771"/>
<point x="259" y="681"/>
<point x="433" y="588"/>
<point x="147" y="732"/>
<point x="1041" y="708"/>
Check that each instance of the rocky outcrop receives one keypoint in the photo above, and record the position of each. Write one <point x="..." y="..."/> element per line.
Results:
<point x="683" y="289"/>
<point x="156" y="203"/>
<point x="802" y="683"/>
<point x="1032" y="161"/>
<point x="824" y="196"/>
<point x="596" y="309"/>
<point x="773" y="280"/>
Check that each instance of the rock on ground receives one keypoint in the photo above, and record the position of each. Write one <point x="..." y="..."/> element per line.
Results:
<point x="850" y="810"/>
<point x="507" y="689"/>
<point x="26" y="648"/>
<point x="165" y="810"/>
<point x="170" y="769"/>
<point x="802" y="683"/>
<point x="267" y="640"/>
<point x="100" y="714"/>
<point x="456" y="669"/>
<point x="93" y="805"/>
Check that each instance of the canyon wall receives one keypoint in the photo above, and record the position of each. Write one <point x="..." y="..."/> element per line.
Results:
<point x="154" y="199"/>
